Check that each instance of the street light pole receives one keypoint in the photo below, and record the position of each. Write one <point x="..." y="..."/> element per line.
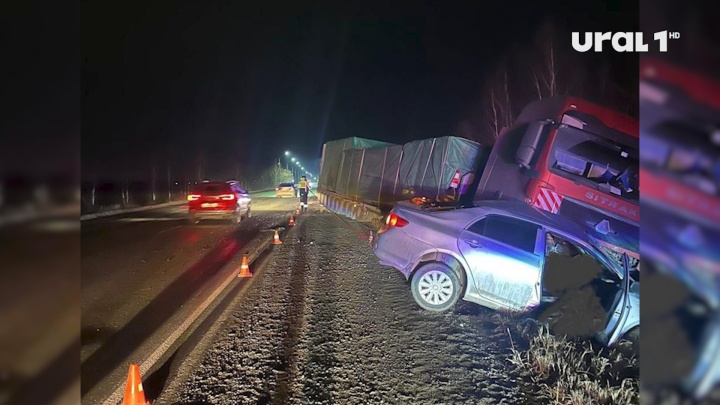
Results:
<point x="277" y="169"/>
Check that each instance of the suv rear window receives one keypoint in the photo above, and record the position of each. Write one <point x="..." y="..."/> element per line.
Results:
<point x="286" y="185"/>
<point x="213" y="189"/>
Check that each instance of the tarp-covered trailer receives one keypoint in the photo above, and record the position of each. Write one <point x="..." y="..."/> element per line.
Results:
<point x="382" y="175"/>
<point x="332" y="155"/>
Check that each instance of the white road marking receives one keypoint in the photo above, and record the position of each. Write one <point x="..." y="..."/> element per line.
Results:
<point x="117" y="396"/>
<point x="170" y="229"/>
<point x="148" y="219"/>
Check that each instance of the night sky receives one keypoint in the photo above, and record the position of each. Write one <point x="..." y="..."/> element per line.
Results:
<point x="40" y="91"/>
<point x="235" y="84"/>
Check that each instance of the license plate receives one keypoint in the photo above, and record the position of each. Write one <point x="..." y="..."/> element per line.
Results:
<point x="209" y="205"/>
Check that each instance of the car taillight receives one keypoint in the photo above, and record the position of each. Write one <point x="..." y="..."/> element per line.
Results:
<point x="193" y="197"/>
<point x="394" y="220"/>
<point x="227" y="197"/>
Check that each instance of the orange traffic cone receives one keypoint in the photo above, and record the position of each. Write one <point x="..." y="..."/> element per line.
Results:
<point x="455" y="180"/>
<point x="276" y="239"/>
<point x="297" y="211"/>
<point x="292" y="221"/>
<point x="134" y="394"/>
<point x="244" y="268"/>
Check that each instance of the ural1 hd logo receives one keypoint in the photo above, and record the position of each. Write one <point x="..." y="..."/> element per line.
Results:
<point x="621" y="41"/>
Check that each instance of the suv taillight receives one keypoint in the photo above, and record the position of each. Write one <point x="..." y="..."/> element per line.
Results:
<point x="394" y="220"/>
<point x="193" y="197"/>
<point x="227" y="197"/>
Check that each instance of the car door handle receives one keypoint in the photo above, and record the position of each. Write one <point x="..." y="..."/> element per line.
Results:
<point x="473" y="243"/>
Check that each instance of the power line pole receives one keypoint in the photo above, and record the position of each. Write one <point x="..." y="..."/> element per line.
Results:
<point x="277" y="170"/>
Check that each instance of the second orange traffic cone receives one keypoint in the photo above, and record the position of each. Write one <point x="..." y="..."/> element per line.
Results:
<point x="292" y="221"/>
<point x="276" y="239"/>
<point x="297" y="211"/>
<point x="244" y="268"/>
<point x="134" y="394"/>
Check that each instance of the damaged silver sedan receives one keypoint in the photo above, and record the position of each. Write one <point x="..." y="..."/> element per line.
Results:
<point x="498" y="255"/>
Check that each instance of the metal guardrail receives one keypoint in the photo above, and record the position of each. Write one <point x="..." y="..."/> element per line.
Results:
<point x="121" y="211"/>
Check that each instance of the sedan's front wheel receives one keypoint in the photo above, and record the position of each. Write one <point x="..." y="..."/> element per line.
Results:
<point x="435" y="287"/>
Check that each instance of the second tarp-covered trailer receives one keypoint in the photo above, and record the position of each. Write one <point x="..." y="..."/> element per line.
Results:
<point x="382" y="175"/>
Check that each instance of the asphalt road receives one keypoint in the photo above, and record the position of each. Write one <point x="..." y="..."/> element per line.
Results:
<point x="39" y="299"/>
<point x="139" y="269"/>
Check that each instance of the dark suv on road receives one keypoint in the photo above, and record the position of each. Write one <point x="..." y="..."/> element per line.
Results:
<point x="218" y="200"/>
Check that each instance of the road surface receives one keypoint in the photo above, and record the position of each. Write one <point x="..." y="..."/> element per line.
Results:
<point x="140" y="269"/>
<point x="39" y="308"/>
<point x="320" y="321"/>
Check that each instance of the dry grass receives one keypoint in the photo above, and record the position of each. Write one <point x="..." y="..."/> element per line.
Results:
<point x="570" y="372"/>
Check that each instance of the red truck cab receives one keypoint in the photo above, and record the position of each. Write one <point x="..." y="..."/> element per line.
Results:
<point x="573" y="158"/>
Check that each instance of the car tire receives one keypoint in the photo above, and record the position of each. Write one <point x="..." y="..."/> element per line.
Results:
<point x="435" y="287"/>
<point x="236" y="218"/>
<point x="192" y="220"/>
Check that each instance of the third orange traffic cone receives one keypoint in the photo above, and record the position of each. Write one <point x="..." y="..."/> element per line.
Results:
<point x="134" y="394"/>
<point x="276" y="239"/>
<point x="244" y="268"/>
<point x="292" y="221"/>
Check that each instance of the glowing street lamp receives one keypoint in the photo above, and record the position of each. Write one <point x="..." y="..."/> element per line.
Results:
<point x="287" y="153"/>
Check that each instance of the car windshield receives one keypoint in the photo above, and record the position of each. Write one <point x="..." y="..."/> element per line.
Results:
<point x="613" y="168"/>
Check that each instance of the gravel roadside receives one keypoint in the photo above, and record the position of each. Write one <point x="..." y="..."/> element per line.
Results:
<point x="327" y="324"/>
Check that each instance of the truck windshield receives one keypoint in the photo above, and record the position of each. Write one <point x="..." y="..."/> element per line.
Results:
<point x="599" y="162"/>
<point x="684" y="153"/>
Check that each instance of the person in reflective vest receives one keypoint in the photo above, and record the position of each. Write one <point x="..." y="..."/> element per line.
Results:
<point x="304" y="189"/>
